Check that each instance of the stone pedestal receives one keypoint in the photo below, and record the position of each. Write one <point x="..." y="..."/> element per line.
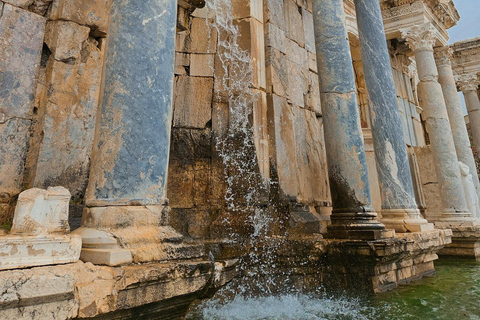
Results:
<point x="353" y="215"/>
<point x="126" y="195"/>
<point x="399" y="208"/>
<point x="430" y="95"/>
<point x="455" y="113"/>
<point x="38" y="236"/>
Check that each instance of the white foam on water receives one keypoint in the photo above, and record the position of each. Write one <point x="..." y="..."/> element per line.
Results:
<point x="285" y="307"/>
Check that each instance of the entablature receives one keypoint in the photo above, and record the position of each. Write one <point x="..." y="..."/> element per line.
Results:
<point x="466" y="56"/>
<point x="402" y="14"/>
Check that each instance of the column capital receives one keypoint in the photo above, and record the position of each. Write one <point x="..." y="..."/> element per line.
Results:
<point x="467" y="82"/>
<point x="443" y="55"/>
<point x="420" y="37"/>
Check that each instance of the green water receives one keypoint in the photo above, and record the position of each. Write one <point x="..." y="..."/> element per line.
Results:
<point x="453" y="294"/>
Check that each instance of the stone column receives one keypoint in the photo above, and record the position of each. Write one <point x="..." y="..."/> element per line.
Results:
<point x="468" y="85"/>
<point x="421" y="40"/>
<point x="128" y="176"/>
<point x="455" y="113"/>
<point x="353" y="215"/>
<point x="399" y="208"/>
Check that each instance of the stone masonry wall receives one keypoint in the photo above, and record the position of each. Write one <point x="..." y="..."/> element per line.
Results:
<point x="50" y="88"/>
<point x="295" y="119"/>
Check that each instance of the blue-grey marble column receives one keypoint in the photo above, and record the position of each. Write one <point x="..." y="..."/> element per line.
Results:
<point x="132" y="139"/>
<point x="353" y="215"/>
<point x="399" y="208"/>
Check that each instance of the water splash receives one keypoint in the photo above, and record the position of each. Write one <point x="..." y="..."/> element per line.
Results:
<point x="246" y="200"/>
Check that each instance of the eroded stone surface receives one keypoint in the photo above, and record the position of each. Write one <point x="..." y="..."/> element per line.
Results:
<point x="21" y="39"/>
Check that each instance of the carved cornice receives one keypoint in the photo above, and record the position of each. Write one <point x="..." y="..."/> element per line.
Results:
<point x="467" y="82"/>
<point x="444" y="10"/>
<point x="443" y="56"/>
<point x="466" y="56"/>
<point x="409" y="13"/>
<point x="420" y="37"/>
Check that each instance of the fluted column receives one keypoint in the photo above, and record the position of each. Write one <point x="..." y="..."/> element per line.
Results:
<point x="399" y="208"/>
<point x="455" y="113"/>
<point x="468" y="84"/>
<point x="421" y="39"/>
<point x="353" y="215"/>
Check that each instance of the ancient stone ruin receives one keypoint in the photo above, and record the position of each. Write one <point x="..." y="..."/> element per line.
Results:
<point x="153" y="151"/>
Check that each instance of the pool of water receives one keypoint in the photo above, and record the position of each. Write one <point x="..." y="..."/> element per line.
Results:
<point x="453" y="293"/>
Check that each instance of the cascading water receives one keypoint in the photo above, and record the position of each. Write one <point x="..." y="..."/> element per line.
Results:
<point x="236" y="148"/>
<point x="260" y="292"/>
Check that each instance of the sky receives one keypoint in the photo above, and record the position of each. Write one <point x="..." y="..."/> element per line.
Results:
<point x="468" y="27"/>
<point x="469" y="24"/>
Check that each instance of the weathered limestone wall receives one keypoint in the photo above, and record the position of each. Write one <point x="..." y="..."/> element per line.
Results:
<point x="194" y="183"/>
<point x="295" y="118"/>
<point x="51" y="77"/>
<point x="67" y="96"/>
<point x="21" y="39"/>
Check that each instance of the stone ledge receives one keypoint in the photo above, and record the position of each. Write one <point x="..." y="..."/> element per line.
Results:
<point x="84" y="290"/>
<point x="29" y="251"/>
<point x="465" y="243"/>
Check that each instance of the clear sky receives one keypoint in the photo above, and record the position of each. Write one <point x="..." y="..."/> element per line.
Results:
<point x="468" y="26"/>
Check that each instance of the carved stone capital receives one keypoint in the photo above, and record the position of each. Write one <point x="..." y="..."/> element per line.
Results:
<point x="443" y="56"/>
<point x="420" y="37"/>
<point x="467" y="82"/>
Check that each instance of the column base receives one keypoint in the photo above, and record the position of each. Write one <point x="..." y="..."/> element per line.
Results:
<point x="362" y="225"/>
<point x="120" y="235"/>
<point x="405" y="220"/>
<point x="21" y="251"/>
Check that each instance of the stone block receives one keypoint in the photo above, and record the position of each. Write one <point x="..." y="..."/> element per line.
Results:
<point x="277" y="72"/>
<point x="294" y="22"/>
<point x="201" y="65"/>
<point x="37" y="6"/>
<point x="180" y="185"/>
<point x="68" y="112"/>
<point x="65" y="40"/>
<point x="37" y="293"/>
<point x="247" y="9"/>
<point x="260" y="135"/>
<point x="192" y="102"/>
<point x="275" y="37"/>
<point x="91" y="13"/>
<point x="21" y="40"/>
<point x="312" y="63"/>
<point x="201" y="39"/>
<point x="282" y="121"/>
<point x="312" y="97"/>
<point x="251" y="39"/>
<point x="273" y="13"/>
<point x="42" y="211"/>
<point x="297" y="54"/>
<point x="309" y="33"/>
<point x="23" y="251"/>
<point x="297" y="84"/>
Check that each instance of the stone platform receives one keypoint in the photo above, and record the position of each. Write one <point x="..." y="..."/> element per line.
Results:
<point x="465" y="243"/>
<point x="83" y="290"/>
<point x="382" y="265"/>
<point x="311" y="262"/>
